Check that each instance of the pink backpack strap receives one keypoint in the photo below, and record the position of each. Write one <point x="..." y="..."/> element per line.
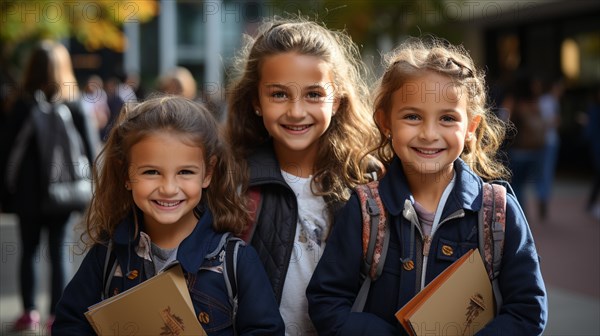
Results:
<point x="492" y="227"/>
<point x="254" y="206"/>
<point x="374" y="229"/>
<point x="375" y="239"/>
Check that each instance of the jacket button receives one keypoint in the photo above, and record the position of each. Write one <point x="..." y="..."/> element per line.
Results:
<point x="204" y="318"/>
<point x="133" y="274"/>
<point x="447" y="250"/>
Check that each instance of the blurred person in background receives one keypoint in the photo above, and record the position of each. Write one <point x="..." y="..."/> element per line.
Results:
<point x="49" y="73"/>
<point x="95" y="102"/>
<point x="178" y="81"/>
<point x="525" y="150"/>
<point x="118" y="92"/>
<point x="592" y="132"/>
<point x="549" y="104"/>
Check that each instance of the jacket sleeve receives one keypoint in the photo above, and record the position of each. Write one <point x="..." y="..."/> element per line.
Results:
<point x="258" y="311"/>
<point x="524" y="307"/>
<point x="336" y="281"/>
<point x="82" y="291"/>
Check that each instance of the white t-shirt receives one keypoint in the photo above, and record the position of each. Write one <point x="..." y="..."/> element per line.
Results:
<point x="311" y="231"/>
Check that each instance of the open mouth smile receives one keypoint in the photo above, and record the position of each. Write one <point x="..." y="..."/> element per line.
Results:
<point x="168" y="204"/>
<point x="428" y="151"/>
<point x="296" y="128"/>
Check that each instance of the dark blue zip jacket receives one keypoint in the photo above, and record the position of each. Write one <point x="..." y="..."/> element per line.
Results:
<point x="257" y="314"/>
<point x="336" y="280"/>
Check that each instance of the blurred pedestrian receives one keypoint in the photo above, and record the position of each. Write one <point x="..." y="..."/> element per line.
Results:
<point x="178" y="81"/>
<point x="525" y="150"/>
<point x="95" y="102"/>
<point x="593" y="134"/>
<point x="118" y="92"/>
<point x="48" y="73"/>
<point x="549" y="104"/>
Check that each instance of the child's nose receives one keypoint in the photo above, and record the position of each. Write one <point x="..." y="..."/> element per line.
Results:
<point x="169" y="186"/>
<point x="429" y="131"/>
<point x="296" y="109"/>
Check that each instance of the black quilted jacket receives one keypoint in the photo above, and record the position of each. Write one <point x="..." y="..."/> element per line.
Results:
<point x="275" y="229"/>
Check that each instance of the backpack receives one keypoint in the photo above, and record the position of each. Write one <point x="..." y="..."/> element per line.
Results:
<point x="254" y="207"/>
<point x="63" y="164"/>
<point x="232" y="245"/>
<point x="375" y="236"/>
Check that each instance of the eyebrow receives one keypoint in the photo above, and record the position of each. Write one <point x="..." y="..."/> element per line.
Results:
<point x="416" y="109"/>
<point x="151" y="166"/>
<point x="285" y="87"/>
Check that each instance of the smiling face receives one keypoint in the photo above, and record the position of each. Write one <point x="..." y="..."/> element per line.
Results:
<point x="296" y="100"/>
<point x="428" y="123"/>
<point x="166" y="178"/>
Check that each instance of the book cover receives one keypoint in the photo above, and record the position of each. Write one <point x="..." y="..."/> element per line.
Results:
<point x="160" y="305"/>
<point x="459" y="301"/>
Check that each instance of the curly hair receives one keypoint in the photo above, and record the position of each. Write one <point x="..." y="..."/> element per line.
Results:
<point x="415" y="56"/>
<point x="341" y="162"/>
<point x="111" y="202"/>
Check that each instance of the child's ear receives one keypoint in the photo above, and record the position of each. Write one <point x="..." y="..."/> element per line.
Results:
<point x="210" y="168"/>
<point x="382" y="122"/>
<point x="256" y="106"/>
<point x="474" y="124"/>
<point x="336" y="104"/>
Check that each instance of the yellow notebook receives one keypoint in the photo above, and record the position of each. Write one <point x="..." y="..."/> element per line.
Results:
<point x="160" y="305"/>
<point x="459" y="301"/>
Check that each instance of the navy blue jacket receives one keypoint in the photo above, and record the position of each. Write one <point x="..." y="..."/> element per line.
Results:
<point x="336" y="280"/>
<point x="258" y="312"/>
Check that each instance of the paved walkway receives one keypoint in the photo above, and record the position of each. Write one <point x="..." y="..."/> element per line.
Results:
<point x="568" y="243"/>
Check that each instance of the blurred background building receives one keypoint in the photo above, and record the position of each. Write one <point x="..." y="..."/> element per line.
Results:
<point x="548" y="38"/>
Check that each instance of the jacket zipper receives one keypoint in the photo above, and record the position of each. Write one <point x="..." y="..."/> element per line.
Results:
<point x="458" y="214"/>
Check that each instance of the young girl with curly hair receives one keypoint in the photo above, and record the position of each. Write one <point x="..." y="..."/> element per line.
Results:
<point x="164" y="194"/>
<point x="439" y="142"/>
<point x="299" y="122"/>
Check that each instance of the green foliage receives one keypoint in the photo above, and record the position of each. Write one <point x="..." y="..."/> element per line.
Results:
<point x="96" y="24"/>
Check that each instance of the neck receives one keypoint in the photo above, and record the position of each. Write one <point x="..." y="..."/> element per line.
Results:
<point x="297" y="163"/>
<point x="169" y="236"/>
<point x="427" y="189"/>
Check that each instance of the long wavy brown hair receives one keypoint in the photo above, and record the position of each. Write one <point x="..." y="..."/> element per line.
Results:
<point x="111" y="202"/>
<point x="415" y="56"/>
<point x="341" y="161"/>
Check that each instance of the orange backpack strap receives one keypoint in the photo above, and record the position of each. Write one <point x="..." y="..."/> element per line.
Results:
<point x="492" y="227"/>
<point x="254" y="206"/>
<point x="375" y="239"/>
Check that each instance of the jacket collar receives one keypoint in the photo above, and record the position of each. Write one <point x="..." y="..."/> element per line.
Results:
<point x="193" y="249"/>
<point x="264" y="167"/>
<point x="466" y="194"/>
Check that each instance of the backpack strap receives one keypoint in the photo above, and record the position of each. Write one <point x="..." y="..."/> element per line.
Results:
<point x="110" y="266"/>
<point x="375" y="239"/>
<point x="17" y="152"/>
<point x="254" y="207"/>
<point x="230" y="274"/>
<point x="491" y="227"/>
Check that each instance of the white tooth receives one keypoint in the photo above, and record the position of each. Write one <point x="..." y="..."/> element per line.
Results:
<point x="297" y="128"/>
<point x="167" y="203"/>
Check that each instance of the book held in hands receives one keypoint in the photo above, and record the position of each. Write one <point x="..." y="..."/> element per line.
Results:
<point x="459" y="301"/>
<point x="160" y="305"/>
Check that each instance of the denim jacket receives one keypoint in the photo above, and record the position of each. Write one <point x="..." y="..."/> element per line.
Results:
<point x="200" y="255"/>
<point x="336" y="280"/>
